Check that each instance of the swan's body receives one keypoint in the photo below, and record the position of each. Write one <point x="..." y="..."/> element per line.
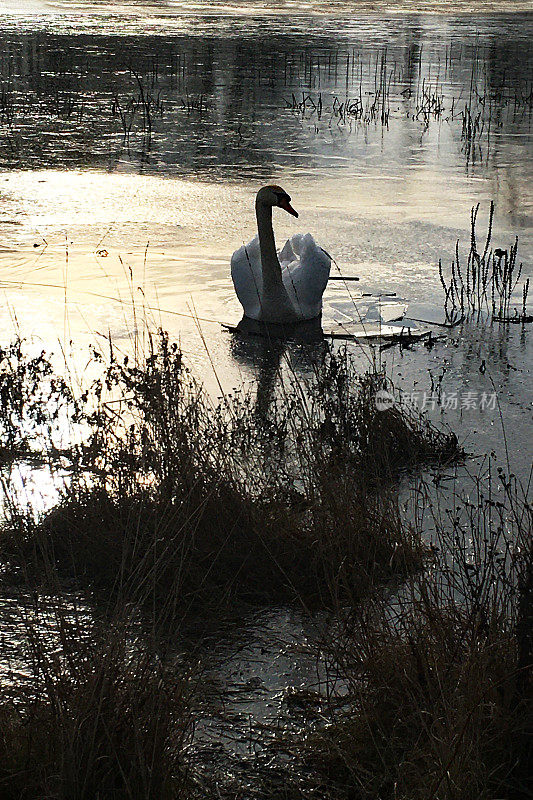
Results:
<point x="285" y="287"/>
<point x="304" y="271"/>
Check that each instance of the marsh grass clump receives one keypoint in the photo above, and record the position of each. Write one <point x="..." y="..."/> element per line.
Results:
<point x="429" y="102"/>
<point x="377" y="442"/>
<point x="487" y="282"/>
<point x="93" y="714"/>
<point x="147" y="103"/>
<point x="438" y="678"/>
<point x="177" y="501"/>
<point x="438" y="717"/>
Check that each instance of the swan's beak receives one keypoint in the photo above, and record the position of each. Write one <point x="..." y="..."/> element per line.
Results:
<point x="286" y="206"/>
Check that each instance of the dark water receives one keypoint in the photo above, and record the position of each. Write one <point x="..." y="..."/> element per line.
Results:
<point x="244" y="101"/>
<point x="133" y="139"/>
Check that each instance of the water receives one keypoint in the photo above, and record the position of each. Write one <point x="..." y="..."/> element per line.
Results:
<point x="359" y="117"/>
<point x="112" y="208"/>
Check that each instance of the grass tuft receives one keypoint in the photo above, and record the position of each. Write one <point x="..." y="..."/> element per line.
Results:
<point x="93" y="715"/>
<point x="438" y="679"/>
<point x="174" y="501"/>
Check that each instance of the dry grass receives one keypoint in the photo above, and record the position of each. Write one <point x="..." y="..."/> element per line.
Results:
<point x="176" y="507"/>
<point x="487" y="282"/>
<point x="176" y="501"/>
<point x="93" y="715"/>
<point x="33" y="400"/>
<point x="439" y="681"/>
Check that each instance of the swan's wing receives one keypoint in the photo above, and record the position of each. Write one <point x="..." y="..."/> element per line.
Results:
<point x="247" y="277"/>
<point x="292" y="249"/>
<point x="286" y="254"/>
<point x="316" y="261"/>
<point x="307" y="277"/>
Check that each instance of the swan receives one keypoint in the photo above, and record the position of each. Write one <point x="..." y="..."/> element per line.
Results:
<point x="284" y="288"/>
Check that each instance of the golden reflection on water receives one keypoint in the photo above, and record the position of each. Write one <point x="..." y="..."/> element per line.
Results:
<point x="87" y="243"/>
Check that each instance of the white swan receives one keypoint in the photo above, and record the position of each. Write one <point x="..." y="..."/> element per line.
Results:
<point x="282" y="289"/>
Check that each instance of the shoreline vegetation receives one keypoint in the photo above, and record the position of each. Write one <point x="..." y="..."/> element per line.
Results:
<point x="175" y="511"/>
<point x="188" y="496"/>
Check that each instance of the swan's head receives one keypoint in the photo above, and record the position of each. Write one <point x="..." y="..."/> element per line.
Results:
<point x="275" y="196"/>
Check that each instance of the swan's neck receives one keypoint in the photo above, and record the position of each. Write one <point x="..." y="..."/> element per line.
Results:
<point x="267" y="244"/>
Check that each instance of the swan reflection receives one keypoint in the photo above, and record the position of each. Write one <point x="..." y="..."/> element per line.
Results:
<point x="263" y="347"/>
